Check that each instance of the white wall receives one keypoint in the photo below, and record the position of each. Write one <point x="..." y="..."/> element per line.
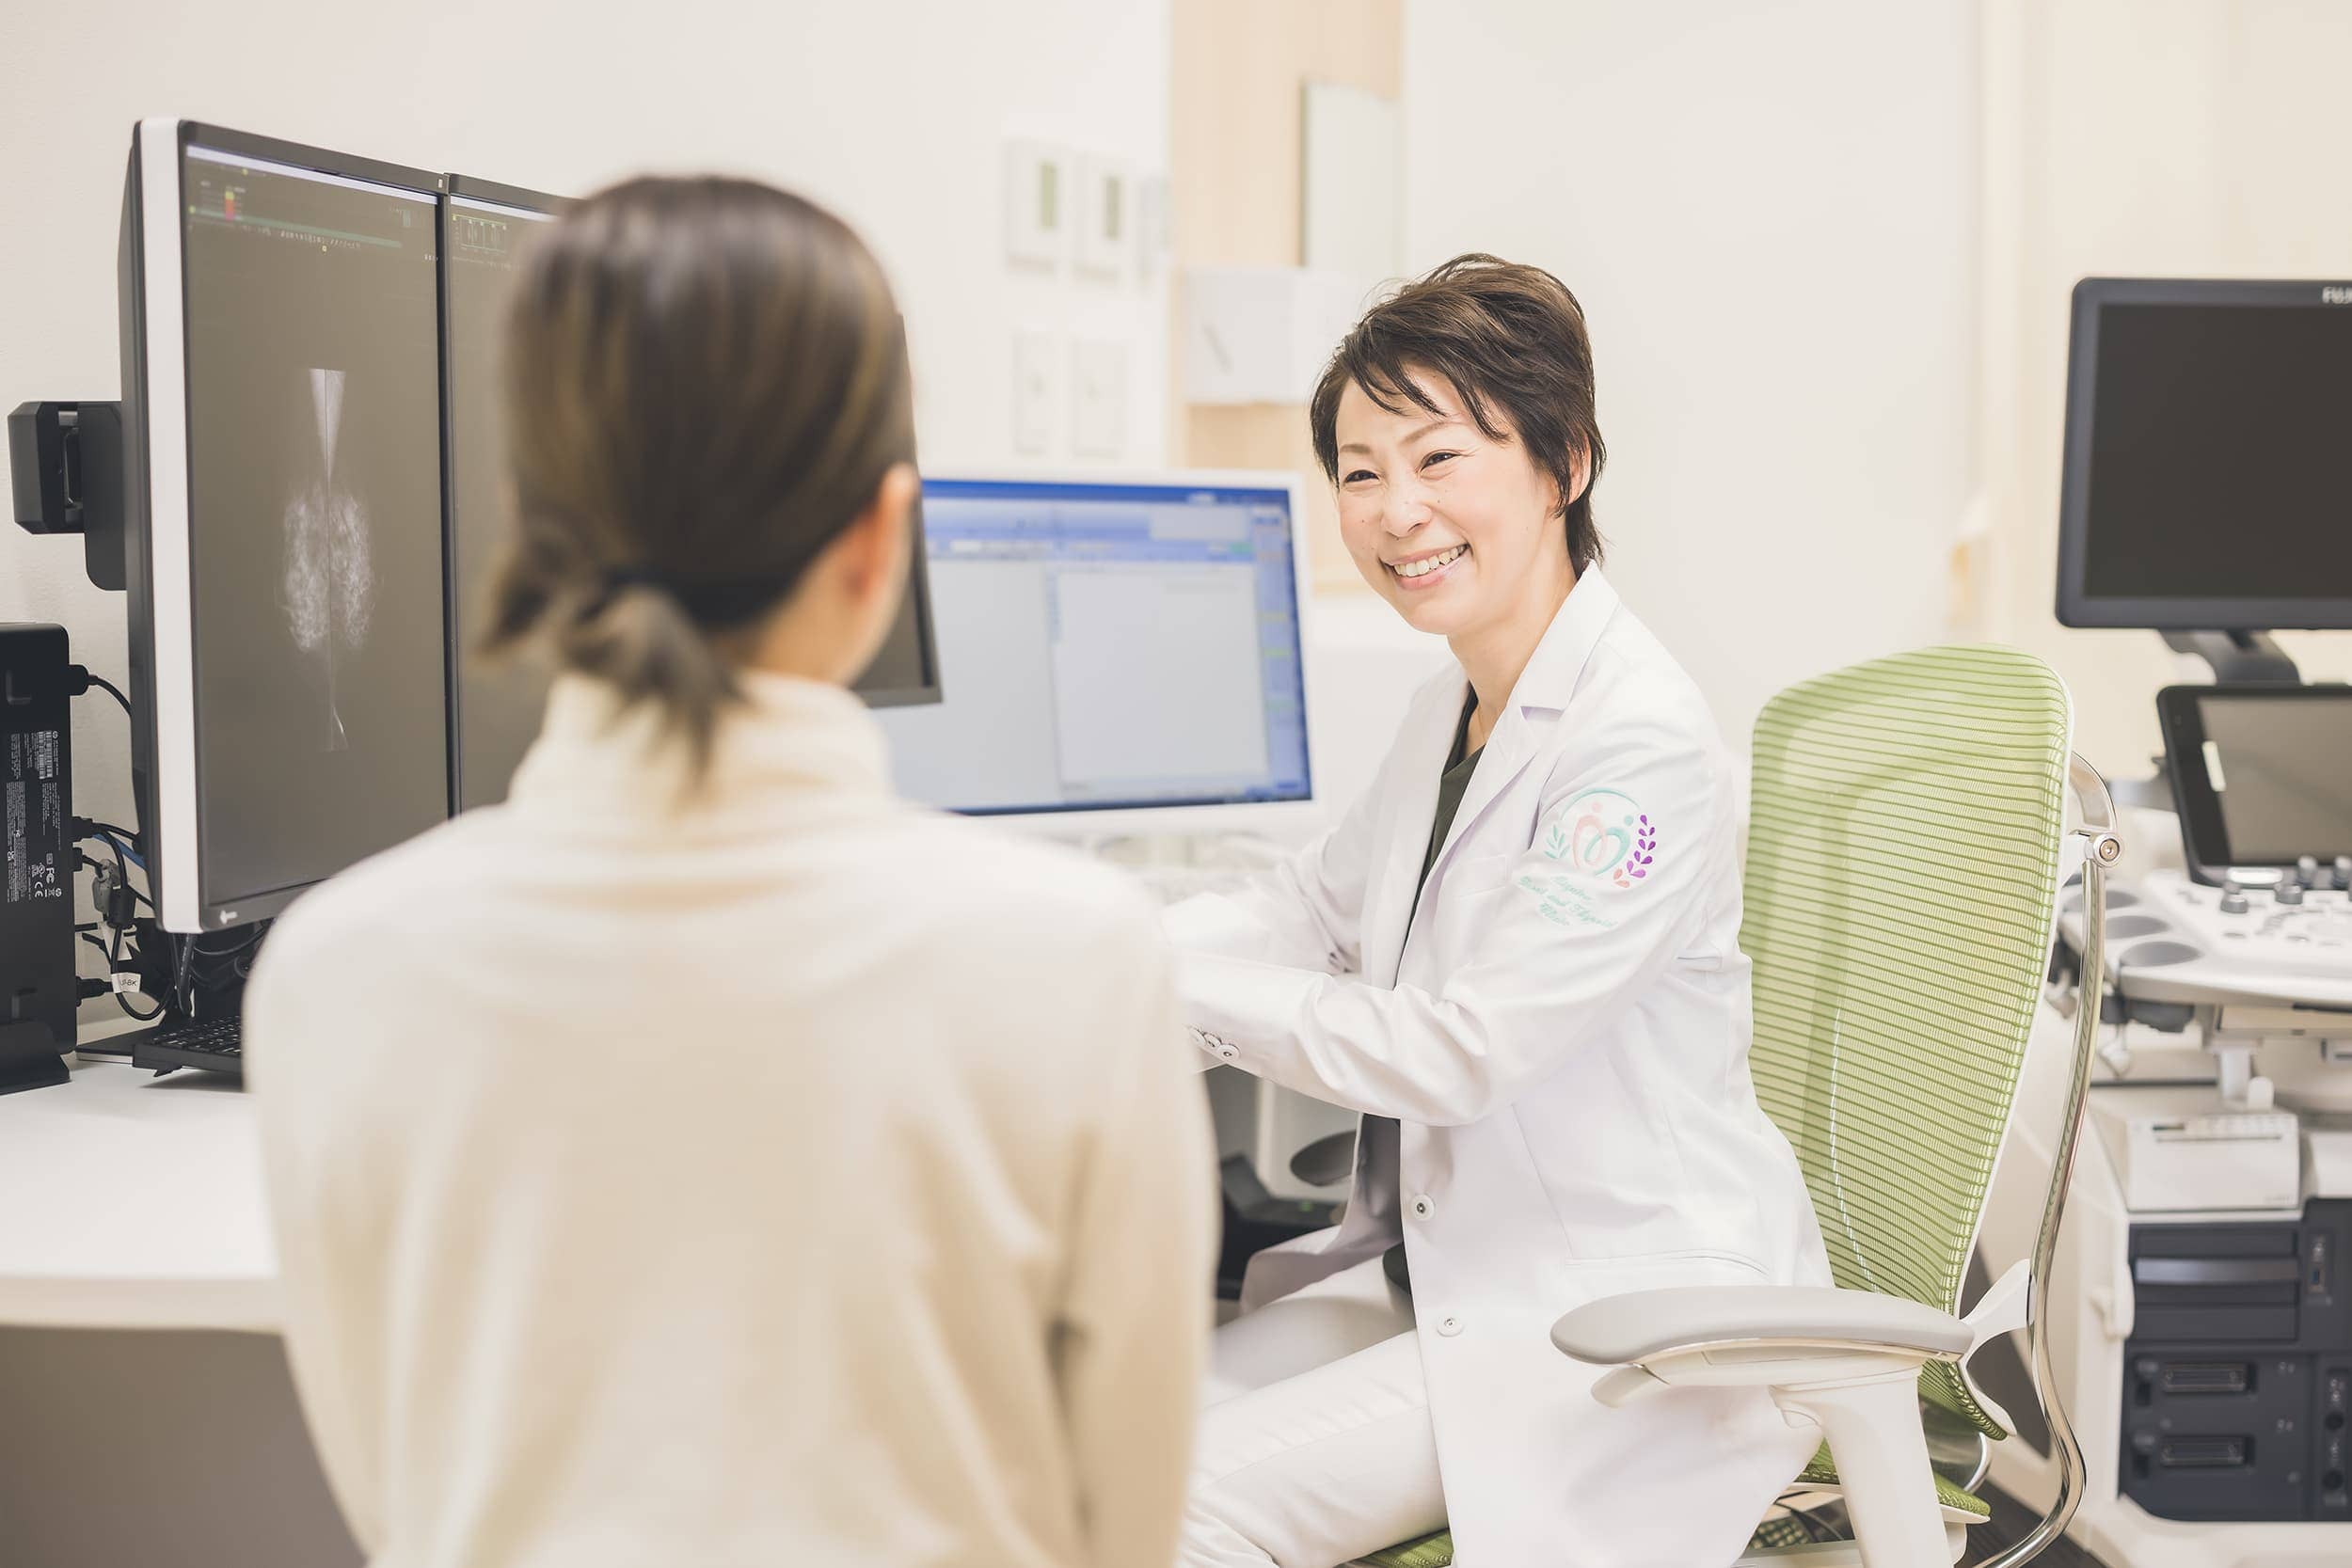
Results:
<point x="2184" y="138"/>
<point x="1767" y="212"/>
<point x="894" y="112"/>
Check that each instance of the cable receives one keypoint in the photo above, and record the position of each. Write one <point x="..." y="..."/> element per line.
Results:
<point x="184" y="958"/>
<point x="253" y="940"/>
<point x="122" y="999"/>
<point x="122" y="876"/>
<point x="110" y="690"/>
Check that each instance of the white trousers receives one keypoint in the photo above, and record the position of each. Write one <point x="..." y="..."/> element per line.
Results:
<point x="1315" y="1445"/>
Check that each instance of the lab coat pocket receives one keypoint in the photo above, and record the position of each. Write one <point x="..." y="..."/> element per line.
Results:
<point x="1477" y="875"/>
<point x="1465" y="897"/>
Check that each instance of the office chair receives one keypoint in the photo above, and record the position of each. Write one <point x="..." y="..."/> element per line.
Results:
<point x="1904" y="853"/>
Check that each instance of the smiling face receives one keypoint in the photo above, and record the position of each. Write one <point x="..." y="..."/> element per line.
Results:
<point x="1457" y="529"/>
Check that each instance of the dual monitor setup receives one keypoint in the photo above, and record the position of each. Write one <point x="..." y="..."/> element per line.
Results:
<point x="2207" y="495"/>
<point x="301" y="493"/>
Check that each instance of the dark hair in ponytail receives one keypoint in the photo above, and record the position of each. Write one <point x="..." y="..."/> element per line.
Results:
<point x="706" y="382"/>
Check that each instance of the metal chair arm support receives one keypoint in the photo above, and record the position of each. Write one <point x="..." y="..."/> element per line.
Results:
<point x="2101" y="848"/>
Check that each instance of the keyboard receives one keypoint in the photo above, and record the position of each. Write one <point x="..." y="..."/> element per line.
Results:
<point x="211" y="1045"/>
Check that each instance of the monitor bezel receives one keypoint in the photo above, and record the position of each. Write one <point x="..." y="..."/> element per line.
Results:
<point x="1269" y="819"/>
<point x="922" y="693"/>
<point x="157" y="531"/>
<point x="920" y="588"/>
<point x="2077" y="607"/>
<point x="2204" y="836"/>
<point x="488" y="193"/>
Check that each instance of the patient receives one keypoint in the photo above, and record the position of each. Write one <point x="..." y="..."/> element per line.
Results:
<point x="706" y="1158"/>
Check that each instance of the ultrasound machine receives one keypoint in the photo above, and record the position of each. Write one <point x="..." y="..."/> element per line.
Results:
<point x="2203" y="1285"/>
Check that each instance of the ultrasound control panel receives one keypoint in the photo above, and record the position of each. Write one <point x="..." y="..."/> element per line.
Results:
<point x="2170" y="939"/>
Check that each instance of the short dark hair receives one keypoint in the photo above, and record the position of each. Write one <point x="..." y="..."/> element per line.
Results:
<point x="1506" y="336"/>
<point x="706" y="383"/>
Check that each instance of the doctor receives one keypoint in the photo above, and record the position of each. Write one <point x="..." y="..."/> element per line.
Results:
<point x="1518" y="957"/>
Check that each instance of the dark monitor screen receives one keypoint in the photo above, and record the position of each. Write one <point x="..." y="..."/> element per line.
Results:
<point x="2208" y="465"/>
<point x="906" y="672"/>
<point x="2284" y="772"/>
<point x="2261" y="776"/>
<point x="498" y="702"/>
<point x="314" y="518"/>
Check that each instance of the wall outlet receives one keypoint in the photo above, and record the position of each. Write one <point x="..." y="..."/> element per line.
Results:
<point x="1098" y="398"/>
<point x="1036" y="369"/>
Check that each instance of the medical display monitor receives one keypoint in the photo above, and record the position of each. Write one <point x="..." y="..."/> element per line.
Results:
<point x="2262" y="775"/>
<point x="281" y="393"/>
<point x="1112" y="648"/>
<point x="2208" y="463"/>
<point x="495" y="702"/>
<point x="498" y="703"/>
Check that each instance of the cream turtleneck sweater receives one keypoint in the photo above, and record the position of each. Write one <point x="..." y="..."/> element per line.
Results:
<point x="777" y="1174"/>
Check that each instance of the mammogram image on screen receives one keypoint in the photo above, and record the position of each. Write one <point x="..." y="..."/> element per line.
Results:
<point x="314" y="522"/>
<point x="330" y="573"/>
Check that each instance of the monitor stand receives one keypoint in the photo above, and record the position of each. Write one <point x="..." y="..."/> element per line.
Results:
<point x="2237" y="656"/>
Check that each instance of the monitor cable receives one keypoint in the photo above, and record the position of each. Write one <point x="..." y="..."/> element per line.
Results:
<point x="79" y="679"/>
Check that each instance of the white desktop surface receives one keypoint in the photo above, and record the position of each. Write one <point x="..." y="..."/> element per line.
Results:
<point x="133" y="1201"/>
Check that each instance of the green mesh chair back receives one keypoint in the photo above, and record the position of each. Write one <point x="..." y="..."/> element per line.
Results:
<point x="1902" y="871"/>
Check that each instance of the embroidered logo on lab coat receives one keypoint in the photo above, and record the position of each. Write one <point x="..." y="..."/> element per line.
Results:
<point x="1605" y="843"/>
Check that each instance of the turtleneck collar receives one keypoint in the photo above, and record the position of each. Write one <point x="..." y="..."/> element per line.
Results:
<point x="790" y="743"/>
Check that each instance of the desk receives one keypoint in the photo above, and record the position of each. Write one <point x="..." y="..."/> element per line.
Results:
<point x="134" y="1201"/>
<point x="129" y="1201"/>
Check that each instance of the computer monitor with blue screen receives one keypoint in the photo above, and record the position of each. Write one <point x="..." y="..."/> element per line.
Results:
<point x="1116" y="656"/>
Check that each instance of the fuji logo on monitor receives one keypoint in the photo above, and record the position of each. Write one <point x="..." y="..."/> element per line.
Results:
<point x="2336" y="293"/>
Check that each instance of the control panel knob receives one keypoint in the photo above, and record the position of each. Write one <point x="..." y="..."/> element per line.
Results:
<point x="2290" y="890"/>
<point x="2307" y="870"/>
<point x="2232" y="898"/>
<point x="2344" y="872"/>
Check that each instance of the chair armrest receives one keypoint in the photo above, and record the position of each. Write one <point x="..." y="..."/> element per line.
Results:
<point x="1630" y="1329"/>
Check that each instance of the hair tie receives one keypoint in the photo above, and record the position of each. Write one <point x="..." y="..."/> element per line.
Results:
<point x="636" y="576"/>
<point x="716" y="604"/>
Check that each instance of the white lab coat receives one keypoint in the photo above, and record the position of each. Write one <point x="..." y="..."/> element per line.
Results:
<point x="1551" y="1052"/>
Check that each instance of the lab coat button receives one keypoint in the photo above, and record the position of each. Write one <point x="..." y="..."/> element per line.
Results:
<point x="1422" y="1208"/>
<point x="1450" y="1326"/>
